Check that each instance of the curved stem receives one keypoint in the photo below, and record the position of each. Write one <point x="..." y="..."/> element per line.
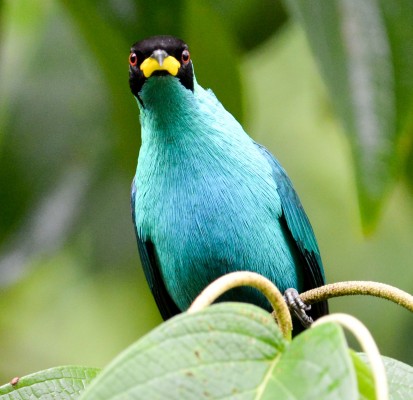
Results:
<point x="245" y="278"/>
<point x="369" y="346"/>
<point x="351" y="288"/>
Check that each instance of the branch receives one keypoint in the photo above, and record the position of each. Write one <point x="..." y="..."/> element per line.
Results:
<point x="352" y="288"/>
<point x="245" y="278"/>
<point x="281" y="312"/>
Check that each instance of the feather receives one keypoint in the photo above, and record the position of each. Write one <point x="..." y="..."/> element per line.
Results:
<point x="166" y="305"/>
<point x="300" y="228"/>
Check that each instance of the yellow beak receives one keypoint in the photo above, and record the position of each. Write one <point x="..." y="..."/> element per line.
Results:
<point x="160" y="61"/>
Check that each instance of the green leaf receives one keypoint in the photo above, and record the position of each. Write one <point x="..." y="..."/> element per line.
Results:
<point x="230" y="350"/>
<point x="58" y="383"/>
<point x="399" y="377"/>
<point x="222" y="351"/>
<point x="364" y="378"/>
<point x="362" y="50"/>
<point x="316" y="365"/>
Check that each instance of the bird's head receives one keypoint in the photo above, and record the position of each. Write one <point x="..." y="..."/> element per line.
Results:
<point x="159" y="56"/>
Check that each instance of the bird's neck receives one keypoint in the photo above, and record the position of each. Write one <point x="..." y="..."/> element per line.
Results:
<point x="180" y="127"/>
<point x="168" y="111"/>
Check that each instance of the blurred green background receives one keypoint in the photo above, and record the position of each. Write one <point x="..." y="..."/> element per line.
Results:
<point x="71" y="287"/>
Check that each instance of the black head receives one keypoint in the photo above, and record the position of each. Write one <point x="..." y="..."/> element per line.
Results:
<point x="159" y="55"/>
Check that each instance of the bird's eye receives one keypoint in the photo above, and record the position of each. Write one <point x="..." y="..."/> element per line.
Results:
<point x="133" y="59"/>
<point x="185" y="57"/>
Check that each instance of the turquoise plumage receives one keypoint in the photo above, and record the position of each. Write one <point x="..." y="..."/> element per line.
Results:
<point x="207" y="199"/>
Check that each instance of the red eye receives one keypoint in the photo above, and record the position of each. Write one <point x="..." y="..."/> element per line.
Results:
<point x="185" y="57"/>
<point x="133" y="60"/>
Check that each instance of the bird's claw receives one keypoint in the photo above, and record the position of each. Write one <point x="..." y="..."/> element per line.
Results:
<point x="298" y="307"/>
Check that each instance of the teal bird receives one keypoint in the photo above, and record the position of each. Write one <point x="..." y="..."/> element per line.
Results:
<point x="206" y="199"/>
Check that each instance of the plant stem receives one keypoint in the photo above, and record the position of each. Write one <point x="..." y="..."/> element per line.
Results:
<point x="245" y="278"/>
<point x="352" y="288"/>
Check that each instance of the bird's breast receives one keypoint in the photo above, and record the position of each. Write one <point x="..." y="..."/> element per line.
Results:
<point x="207" y="217"/>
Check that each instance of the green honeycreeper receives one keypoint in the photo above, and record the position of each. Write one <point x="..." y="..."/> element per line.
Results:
<point x="206" y="199"/>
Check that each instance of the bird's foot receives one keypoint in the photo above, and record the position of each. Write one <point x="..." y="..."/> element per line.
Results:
<point x="298" y="307"/>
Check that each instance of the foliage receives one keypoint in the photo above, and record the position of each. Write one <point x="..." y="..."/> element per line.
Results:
<point x="69" y="138"/>
<point x="60" y="382"/>
<point x="365" y="55"/>
<point x="231" y="350"/>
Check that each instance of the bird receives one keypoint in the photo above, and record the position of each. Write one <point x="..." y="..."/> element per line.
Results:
<point x="207" y="199"/>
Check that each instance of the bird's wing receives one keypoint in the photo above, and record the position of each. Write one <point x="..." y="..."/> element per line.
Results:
<point x="301" y="231"/>
<point x="166" y="305"/>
